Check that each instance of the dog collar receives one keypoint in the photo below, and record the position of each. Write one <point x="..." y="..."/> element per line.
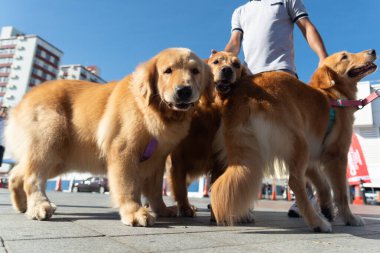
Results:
<point x="149" y="150"/>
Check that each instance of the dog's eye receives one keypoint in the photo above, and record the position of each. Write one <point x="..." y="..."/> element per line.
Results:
<point x="236" y="65"/>
<point x="168" y="71"/>
<point x="195" y="71"/>
<point x="216" y="62"/>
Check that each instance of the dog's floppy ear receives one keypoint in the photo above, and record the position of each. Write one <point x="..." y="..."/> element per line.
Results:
<point x="145" y="77"/>
<point x="323" y="78"/>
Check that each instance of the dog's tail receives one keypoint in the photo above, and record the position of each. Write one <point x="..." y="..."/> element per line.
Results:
<point x="234" y="192"/>
<point x="15" y="139"/>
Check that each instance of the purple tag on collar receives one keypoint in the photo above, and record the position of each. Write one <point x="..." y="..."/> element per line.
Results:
<point x="149" y="150"/>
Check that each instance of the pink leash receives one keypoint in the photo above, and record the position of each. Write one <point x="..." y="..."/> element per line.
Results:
<point x="356" y="103"/>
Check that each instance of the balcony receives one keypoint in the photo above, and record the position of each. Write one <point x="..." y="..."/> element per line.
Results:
<point x="6" y="55"/>
<point x="9" y="96"/>
<point x="11" y="46"/>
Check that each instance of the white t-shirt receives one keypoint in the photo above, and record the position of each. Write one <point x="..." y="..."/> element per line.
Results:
<point x="267" y="30"/>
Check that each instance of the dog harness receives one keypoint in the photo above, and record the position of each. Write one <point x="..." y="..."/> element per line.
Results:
<point x="149" y="150"/>
<point x="330" y="125"/>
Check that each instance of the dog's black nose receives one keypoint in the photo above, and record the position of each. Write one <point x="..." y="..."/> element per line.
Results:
<point x="372" y="52"/>
<point x="183" y="92"/>
<point x="227" y="72"/>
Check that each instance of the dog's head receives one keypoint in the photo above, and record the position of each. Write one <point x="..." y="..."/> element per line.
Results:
<point x="227" y="69"/>
<point x="344" y="69"/>
<point x="175" y="77"/>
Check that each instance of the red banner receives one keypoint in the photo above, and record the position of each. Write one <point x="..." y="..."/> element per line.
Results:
<point x="356" y="166"/>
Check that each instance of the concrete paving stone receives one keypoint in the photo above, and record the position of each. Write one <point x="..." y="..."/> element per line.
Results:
<point x="165" y="243"/>
<point x="349" y="244"/>
<point x="282" y="221"/>
<point x="363" y="243"/>
<point x="114" y="227"/>
<point x="86" y="214"/>
<point x="265" y="235"/>
<point x="66" y="245"/>
<point x="371" y="218"/>
<point x="225" y="249"/>
<point x="86" y="223"/>
<point x="18" y="227"/>
<point x="367" y="229"/>
<point x="338" y="226"/>
<point x="162" y="226"/>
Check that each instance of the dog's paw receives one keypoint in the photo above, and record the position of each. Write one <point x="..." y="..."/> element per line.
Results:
<point x="140" y="218"/>
<point x="328" y="212"/>
<point x="54" y="206"/>
<point x="323" y="227"/>
<point x="354" y="220"/>
<point x="187" y="211"/>
<point x="170" y="211"/>
<point x="248" y="218"/>
<point x="41" y="211"/>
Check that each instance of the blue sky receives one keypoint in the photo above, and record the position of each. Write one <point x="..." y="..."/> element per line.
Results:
<point x="117" y="35"/>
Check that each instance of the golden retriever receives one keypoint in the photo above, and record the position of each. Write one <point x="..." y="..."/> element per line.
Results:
<point x="201" y="152"/>
<point x="273" y="117"/>
<point x="69" y="125"/>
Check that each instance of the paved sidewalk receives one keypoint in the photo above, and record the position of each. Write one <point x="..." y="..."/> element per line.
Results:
<point x="85" y="223"/>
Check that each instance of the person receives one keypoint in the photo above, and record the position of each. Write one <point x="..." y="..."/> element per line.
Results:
<point x="264" y="30"/>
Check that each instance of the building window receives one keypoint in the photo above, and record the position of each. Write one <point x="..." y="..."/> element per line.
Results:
<point x="8" y="42"/>
<point x="39" y="52"/>
<point x="5" y="60"/>
<point x="7" y="51"/>
<point x="52" y="59"/>
<point x="5" y="69"/>
<point x="3" y="79"/>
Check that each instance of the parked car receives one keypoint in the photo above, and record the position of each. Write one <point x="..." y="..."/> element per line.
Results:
<point x="4" y="182"/>
<point x="92" y="184"/>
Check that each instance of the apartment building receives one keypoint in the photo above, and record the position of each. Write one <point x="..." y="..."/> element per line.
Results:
<point x="80" y="72"/>
<point x="25" y="61"/>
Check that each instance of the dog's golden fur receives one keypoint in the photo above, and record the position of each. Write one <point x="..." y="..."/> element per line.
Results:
<point x="273" y="116"/>
<point x="202" y="152"/>
<point x="75" y="125"/>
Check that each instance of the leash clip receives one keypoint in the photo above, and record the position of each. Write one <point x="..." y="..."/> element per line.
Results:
<point x="377" y="92"/>
<point x="361" y="104"/>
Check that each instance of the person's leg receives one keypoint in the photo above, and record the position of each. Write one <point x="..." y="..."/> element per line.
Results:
<point x="293" y="211"/>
